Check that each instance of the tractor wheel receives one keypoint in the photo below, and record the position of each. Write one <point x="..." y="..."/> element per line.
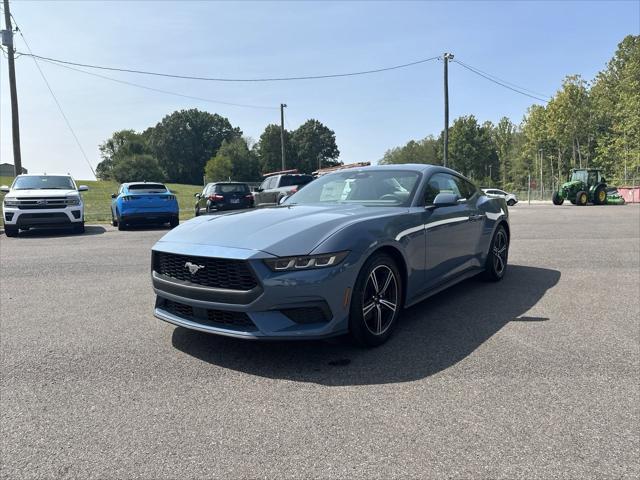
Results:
<point x="557" y="199"/>
<point x="600" y="195"/>
<point x="582" y="198"/>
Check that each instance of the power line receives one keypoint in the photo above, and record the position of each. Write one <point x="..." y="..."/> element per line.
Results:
<point x="477" y="72"/>
<point x="519" y="87"/>
<point x="217" y="79"/>
<point x="64" y="116"/>
<point x="153" y="89"/>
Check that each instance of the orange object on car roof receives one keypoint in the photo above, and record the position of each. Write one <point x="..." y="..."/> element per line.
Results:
<point x="281" y="172"/>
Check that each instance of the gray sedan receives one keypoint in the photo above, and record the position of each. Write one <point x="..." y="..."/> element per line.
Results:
<point x="344" y="255"/>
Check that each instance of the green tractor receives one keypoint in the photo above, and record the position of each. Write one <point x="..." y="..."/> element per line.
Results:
<point x="585" y="185"/>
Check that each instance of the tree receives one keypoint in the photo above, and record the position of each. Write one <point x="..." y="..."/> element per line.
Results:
<point x="185" y="140"/>
<point x="471" y="150"/>
<point x="136" y="168"/>
<point x="315" y="146"/>
<point x="616" y="101"/>
<point x="268" y="150"/>
<point x="123" y="143"/>
<point x="426" y="150"/>
<point x="233" y="160"/>
<point x="503" y="137"/>
<point x="219" y="169"/>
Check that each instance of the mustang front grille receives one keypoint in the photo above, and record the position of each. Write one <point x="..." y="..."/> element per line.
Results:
<point x="208" y="272"/>
<point x="213" y="318"/>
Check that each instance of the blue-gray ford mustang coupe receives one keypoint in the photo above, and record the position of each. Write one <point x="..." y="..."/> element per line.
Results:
<point x="343" y="255"/>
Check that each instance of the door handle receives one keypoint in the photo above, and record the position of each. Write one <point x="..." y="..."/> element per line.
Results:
<point x="473" y="218"/>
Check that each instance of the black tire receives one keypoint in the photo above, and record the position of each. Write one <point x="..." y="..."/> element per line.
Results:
<point x="374" y="327"/>
<point x="122" y="225"/>
<point x="78" y="227"/>
<point x="511" y="203"/>
<point x="582" y="198"/>
<point x="114" y="221"/>
<point x="197" y="211"/>
<point x="557" y="199"/>
<point x="600" y="195"/>
<point x="498" y="256"/>
<point x="174" y="222"/>
<point x="11" y="231"/>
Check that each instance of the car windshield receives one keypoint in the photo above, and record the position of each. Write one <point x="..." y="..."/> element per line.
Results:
<point x="232" y="188"/>
<point x="290" y="180"/>
<point x="580" y="175"/>
<point x="370" y="187"/>
<point x="42" y="182"/>
<point x="147" y="188"/>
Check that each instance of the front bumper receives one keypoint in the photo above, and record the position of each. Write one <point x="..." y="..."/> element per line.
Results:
<point x="276" y="309"/>
<point x="42" y="217"/>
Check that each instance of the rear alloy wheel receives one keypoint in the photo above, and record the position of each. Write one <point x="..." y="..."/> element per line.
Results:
<point x="600" y="195"/>
<point x="375" y="302"/>
<point x="496" y="264"/>
<point x="557" y="199"/>
<point x="11" y="231"/>
<point x="582" y="198"/>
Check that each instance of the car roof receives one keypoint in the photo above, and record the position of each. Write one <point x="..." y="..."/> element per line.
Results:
<point x="228" y="183"/>
<point x="44" y="175"/>
<point x="142" y="183"/>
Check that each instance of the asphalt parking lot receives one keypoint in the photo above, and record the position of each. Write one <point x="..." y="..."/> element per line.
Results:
<point x="536" y="376"/>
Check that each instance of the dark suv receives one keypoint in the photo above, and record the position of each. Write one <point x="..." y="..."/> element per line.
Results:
<point x="223" y="196"/>
<point x="277" y="186"/>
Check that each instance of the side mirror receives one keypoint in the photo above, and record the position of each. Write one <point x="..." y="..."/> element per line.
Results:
<point x="259" y="189"/>
<point x="114" y="195"/>
<point x="197" y="195"/>
<point x="83" y="188"/>
<point x="4" y="189"/>
<point x="445" y="200"/>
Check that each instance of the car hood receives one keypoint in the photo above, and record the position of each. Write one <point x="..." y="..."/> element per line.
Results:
<point x="42" y="193"/>
<point x="280" y="230"/>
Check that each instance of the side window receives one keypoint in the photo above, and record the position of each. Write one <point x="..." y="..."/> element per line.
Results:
<point x="440" y="183"/>
<point x="466" y="189"/>
<point x="265" y="183"/>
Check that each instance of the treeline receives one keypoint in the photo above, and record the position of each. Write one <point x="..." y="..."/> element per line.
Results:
<point x="189" y="144"/>
<point x="586" y="124"/>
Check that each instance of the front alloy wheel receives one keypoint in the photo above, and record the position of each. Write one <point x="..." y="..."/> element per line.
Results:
<point x="376" y="302"/>
<point x="496" y="264"/>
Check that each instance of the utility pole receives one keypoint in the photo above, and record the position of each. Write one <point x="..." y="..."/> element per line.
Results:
<point x="7" y="40"/>
<point x="541" y="151"/>
<point x="282" y="107"/>
<point x="446" y="57"/>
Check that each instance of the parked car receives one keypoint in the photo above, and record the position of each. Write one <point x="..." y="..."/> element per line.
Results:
<point x="510" y="198"/>
<point x="278" y="185"/>
<point x="345" y="254"/>
<point x="42" y="201"/>
<point x="143" y="202"/>
<point x="223" y="196"/>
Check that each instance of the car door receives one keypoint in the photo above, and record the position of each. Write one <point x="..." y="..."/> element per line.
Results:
<point x="271" y="195"/>
<point x="260" y="196"/>
<point x="452" y="232"/>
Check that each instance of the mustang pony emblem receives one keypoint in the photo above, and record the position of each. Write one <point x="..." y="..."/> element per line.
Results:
<point x="193" y="268"/>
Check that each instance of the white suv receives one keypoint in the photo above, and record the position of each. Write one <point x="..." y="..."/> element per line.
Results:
<point x="510" y="198"/>
<point x="42" y="201"/>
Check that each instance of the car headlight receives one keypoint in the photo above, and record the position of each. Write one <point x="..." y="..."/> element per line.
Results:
<point x="305" y="262"/>
<point x="73" y="200"/>
<point x="11" y="202"/>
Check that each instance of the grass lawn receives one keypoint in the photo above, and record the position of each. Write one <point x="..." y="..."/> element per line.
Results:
<point x="97" y="201"/>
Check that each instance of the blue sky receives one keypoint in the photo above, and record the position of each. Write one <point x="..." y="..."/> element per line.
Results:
<point x="533" y="44"/>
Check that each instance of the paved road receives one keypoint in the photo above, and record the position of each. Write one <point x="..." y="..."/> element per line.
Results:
<point x="533" y="377"/>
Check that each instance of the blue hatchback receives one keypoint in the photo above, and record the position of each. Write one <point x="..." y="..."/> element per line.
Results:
<point x="143" y="202"/>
